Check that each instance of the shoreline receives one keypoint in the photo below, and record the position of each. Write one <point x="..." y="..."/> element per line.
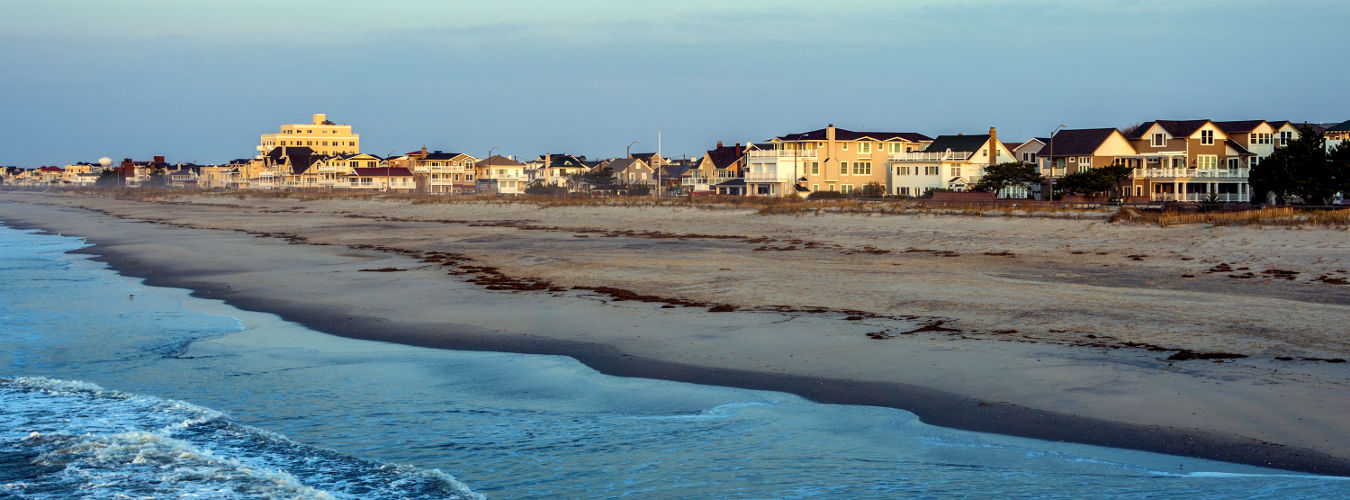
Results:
<point x="932" y="405"/>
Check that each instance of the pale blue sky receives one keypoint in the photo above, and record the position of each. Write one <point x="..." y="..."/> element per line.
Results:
<point x="200" y="80"/>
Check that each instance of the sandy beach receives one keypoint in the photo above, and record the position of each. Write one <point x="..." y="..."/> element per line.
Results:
<point x="1215" y="342"/>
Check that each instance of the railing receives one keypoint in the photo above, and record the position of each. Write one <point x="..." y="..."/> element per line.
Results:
<point x="784" y="153"/>
<point x="1202" y="197"/>
<point x="931" y="156"/>
<point x="1194" y="173"/>
<point x="692" y="181"/>
<point x="767" y="177"/>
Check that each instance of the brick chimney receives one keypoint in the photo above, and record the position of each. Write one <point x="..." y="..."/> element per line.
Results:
<point x="993" y="145"/>
<point x="719" y="144"/>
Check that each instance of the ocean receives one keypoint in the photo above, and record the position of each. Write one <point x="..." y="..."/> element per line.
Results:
<point x="113" y="389"/>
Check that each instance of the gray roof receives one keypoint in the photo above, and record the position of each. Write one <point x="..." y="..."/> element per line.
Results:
<point x="1076" y="142"/>
<point x="966" y="143"/>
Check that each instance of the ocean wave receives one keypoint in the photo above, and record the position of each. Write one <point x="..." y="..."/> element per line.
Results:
<point x="71" y="438"/>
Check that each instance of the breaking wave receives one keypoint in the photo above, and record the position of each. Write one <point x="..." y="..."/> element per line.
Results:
<point x="60" y="439"/>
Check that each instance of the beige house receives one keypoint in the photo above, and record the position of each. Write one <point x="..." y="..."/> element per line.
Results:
<point x="631" y="171"/>
<point x="440" y="172"/>
<point x="321" y="136"/>
<point x="828" y="159"/>
<point x="719" y="171"/>
<point x="501" y="175"/>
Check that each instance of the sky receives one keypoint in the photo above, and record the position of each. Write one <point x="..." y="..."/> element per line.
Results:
<point x="199" y="81"/>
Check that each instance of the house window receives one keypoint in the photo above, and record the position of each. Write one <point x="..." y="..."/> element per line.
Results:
<point x="815" y="187"/>
<point x="1207" y="161"/>
<point x="1207" y="137"/>
<point x="1233" y="163"/>
<point x="844" y="146"/>
<point x="1084" y="162"/>
<point x="862" y="168"/>
<point x="1159" y="140"/>
<point x="1254" y="161"/>
<point x="896" y="147"/>
<point x="933" y="170"/>
<point x="864" y="148"/>
<point x="1285" y="137"/>
<point x="904" y="191"/>
<point x="956" y="171"/>
<point x="831" y="187"/>
<point x="815" y="169"/>
<point x="846" y="188"/>
<point x="901" y="170"/>
<point x="843" y="168"/>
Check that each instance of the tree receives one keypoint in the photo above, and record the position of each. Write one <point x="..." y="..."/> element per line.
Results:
<point x="639" y="190"/>
<point x="550" y="189"/>
<point x="1091" y="182"/>
<point x="600" y="178"/>
<point x="1339" y="158"/>
<point x="1301" y="169"/>
<point x="109" y="178"/>
<point x="157" y="178"/>
<point x="1118" y="174"/>
<point x="996" y="178"/>
<point x="872" y="190"/>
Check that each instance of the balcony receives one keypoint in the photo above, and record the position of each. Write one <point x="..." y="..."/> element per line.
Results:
<point x="1191" y="173"/>
<point x="784" y="153"/>
<point x="768" y="177"/>
<point x="931" y="156"/>
<point x="1202" y="197"/>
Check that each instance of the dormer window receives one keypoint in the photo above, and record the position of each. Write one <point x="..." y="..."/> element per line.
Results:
<point x="1207" y="137"/>
<point x="1159" y="140"/>
<point x="864" y="147"/>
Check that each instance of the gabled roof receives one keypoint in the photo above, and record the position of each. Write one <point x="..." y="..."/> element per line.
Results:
<point x="726" y="156"/>
<point x="1241" y="151"/>
<point x="958" y="143"/>
<point x="565" y="161"/>
<point x="849" y="135"/>
<point x="437" y="155"/>
<point x="1178" y="128"/>
<point x="499" y="161"/>
<point x="1076" y="142"/>
<point x="380" y="172"/>
<point x="1341" y="127"/>
<point x="623" y="163"/>
<point x="674" y="170"/>
<point x="647" y="157"/>
<point x="1239" y="127"/>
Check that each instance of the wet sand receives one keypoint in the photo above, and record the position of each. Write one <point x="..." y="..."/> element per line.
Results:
<point x="1056" y="329"/>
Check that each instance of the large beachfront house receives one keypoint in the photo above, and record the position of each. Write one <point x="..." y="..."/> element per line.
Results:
<point x="719" y="171"/>
<point x="828" y="159"/>
<point x="501" y="175"/>
<point x="1190" y="160"/>
<point x="950" y="162"/>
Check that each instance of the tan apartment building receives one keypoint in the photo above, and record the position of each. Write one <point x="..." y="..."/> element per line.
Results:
<point x="321" y="135"/>
<point x="828" y="159"/>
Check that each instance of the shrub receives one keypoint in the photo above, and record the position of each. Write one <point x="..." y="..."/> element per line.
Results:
<point x="826" y="195"/>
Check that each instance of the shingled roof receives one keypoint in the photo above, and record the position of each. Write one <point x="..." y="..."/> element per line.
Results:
<point x="1178" y="128"/>
<point x="499" y="161"/>
<point x="958" y="143"/>
<point x="1076" y="142"/>
<point x="1342" y="127"/>
<point x="726" y="156"/>
<point x="300" y="157"/>
<point x="380" y="172"/>
<point x="1239" y="127"/>
<point x="849" y="135"/>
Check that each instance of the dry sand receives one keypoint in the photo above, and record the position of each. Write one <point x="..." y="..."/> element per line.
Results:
<point x="1051" y="328"/>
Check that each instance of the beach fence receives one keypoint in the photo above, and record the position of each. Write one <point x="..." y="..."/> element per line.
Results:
<point x="1276" y="216"/>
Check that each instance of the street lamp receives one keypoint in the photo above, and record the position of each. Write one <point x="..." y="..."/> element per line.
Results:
<point x="1051" y="195"/>
<point x="629" y="150"/>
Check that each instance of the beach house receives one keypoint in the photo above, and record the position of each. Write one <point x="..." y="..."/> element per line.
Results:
<point x="827" y="159"/>
<point x="501" y="175"/>
<point x="1190" y="160"/>
<point x="949" y="162"/>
